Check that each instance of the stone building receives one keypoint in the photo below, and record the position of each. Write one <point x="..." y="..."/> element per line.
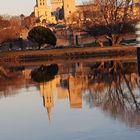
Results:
<point x="68" y="7"/>
<point x="43" y="12"/>
<point x="136" y="7"/>
<point x="136" y="1"/>
<point x="63" y="9"/>
<point x="56" y="4"/>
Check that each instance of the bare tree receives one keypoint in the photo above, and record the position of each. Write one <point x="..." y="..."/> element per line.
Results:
<point x="112" y="20"/>
<point x="3" y="23"/>
<point x="28" y="22"/>
<point x="108" y="18"/>
<point x="9" y="28"/>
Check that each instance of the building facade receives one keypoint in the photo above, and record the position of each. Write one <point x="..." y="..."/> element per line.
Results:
<point x="68" y="7"/>
<point x="43" y="12"/>
<point x="136" y="1"/>
<point x="63" y="9"/>
<point x="136" y="7"/>
<point x="56" y="4"/>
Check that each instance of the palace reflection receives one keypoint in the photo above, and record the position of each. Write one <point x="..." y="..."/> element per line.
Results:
<point x="115" y="93"/>
<point x="65" y="88"/>
<point x="47" y="91"/>
<point x="11" y="82"/>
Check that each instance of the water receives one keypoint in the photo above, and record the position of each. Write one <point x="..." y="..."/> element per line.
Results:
<point x="80" y="102"/>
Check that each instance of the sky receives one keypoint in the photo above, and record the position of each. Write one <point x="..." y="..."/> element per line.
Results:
<point x="17" y="7"/>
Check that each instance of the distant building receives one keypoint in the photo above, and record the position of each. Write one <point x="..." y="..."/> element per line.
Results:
<point x="63" y="8"/>
<point x="136" y="7"/>
<point x="136" y="1"/>
<point x="43" y="12"/>
<point x="56" y="4"/>
<point x="69" y="8"/>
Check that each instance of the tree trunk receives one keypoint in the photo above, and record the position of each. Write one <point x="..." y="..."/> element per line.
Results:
<point x="39" y="46"/>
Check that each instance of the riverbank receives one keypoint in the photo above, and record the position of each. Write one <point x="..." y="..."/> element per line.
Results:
<point x="67" y="54"/>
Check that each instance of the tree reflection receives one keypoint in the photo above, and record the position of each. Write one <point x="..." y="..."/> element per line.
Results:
<point x="114" y="88"/>
<point x="11" y="80"/>
<point x="3" y="73"/>
<point x="10" y="72"/>
<point x="115" y="92"/>
<point x="44" y="73"/>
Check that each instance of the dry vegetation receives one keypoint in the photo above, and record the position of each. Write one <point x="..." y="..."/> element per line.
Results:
<point x="11" y="27"/>
<point x="109" y="18"/>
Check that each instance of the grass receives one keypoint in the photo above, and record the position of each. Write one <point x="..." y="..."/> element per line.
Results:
<point x="105" y="43"/>
<point x="92" y="44"/>
<point x="128" y="41"/>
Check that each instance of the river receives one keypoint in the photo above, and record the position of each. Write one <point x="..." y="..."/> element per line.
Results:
<point x="73" y="101"/>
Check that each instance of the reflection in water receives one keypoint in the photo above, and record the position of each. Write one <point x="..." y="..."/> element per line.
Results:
<point x="44" y="73"/>
<point x="76" y="85"/>
<point x="115" y="92"/>
<point x="11" y="80"/>
<point x="47" y="91"/>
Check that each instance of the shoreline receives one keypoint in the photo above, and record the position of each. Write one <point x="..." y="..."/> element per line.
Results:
<point x="68" y="54"/>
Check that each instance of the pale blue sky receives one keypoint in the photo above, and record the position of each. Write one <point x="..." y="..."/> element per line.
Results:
<point x="17" y="7"/>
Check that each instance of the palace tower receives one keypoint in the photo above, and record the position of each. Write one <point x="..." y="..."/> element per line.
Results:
<point x="56" y="4"/>
<point x="136" y="1"/>
<point x="42" y="12"/>
<point x="68" y="7"/>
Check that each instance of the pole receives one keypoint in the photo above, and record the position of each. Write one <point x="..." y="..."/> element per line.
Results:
<point x="76" y="40"/>
<point x="138" y="45"/>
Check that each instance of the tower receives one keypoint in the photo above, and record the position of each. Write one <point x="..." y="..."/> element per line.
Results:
<point x="56" y="4"/>
<point x="42" y="12"/>
<point x="69" y="8"/>
<point x="136" y="7"/>
<point x="63" y="8"/>
<point x="135" y="1"/>
<point x="41" y="3"/>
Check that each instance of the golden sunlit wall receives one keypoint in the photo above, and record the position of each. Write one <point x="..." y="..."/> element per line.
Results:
<point x="56" y="4"/>
<point x="43" y="12"/>
<point x="69" y="8"/>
